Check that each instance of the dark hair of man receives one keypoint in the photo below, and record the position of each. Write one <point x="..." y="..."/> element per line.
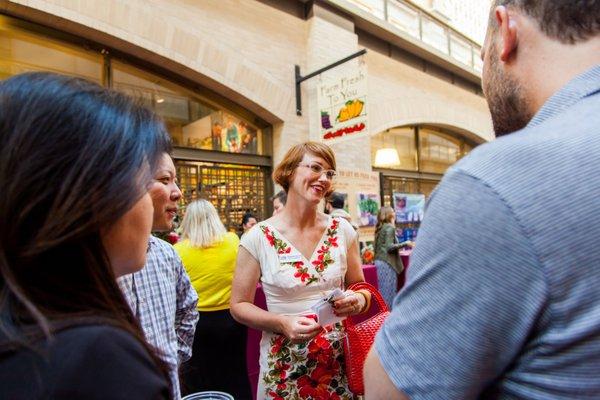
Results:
<point x="247" y="218"/>
<point x="281" y="195"/>
<point x="336" y="200"/>
<point x="569" y="21"/>
<point x="74" y="158"/>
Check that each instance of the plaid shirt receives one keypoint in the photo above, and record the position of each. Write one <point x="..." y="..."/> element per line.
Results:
<point x="162" y="298"/>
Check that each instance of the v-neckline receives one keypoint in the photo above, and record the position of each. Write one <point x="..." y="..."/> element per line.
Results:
<point x="289" y="243"/>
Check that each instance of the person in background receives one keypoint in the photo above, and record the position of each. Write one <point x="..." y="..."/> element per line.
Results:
<point x="279" y="200"/>
<point x="334" y="206"/>
<point x="209" y="252"/>
<point x="160" y="295"/>
<point x="385" y="261"/>
<point x="496" y="307"/>
<point x="248" y="221"/>
<point x="300" y="256"/>
<point x="75" y="163"/>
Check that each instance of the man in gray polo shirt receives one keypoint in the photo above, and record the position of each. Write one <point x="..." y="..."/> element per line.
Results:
<point x="503" y="293"/>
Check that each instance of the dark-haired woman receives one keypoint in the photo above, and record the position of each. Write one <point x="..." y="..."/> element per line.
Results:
<point x="248" y="221"/>
<point x="75" y="164"/>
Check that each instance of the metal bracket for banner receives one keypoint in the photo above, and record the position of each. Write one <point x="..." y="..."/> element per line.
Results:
<point x="300" y="78"/>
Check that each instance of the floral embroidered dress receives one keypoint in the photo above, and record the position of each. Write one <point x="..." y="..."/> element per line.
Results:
<point x="292" y="284"/>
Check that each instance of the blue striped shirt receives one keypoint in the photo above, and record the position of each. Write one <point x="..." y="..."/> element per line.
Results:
<point x="162" y="298"/>
<point x="503" y="293"/>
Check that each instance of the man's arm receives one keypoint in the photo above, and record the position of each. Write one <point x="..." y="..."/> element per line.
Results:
<point x="186" y="315"/>
<point x="377" y="383"/>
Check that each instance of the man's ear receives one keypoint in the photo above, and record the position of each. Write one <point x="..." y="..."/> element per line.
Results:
<point x="507" y="29"/>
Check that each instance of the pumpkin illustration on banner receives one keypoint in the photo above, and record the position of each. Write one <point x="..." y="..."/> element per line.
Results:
<point x="352" y="109"/>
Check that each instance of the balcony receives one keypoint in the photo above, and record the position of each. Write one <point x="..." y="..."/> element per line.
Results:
<point x="422" y="30"/>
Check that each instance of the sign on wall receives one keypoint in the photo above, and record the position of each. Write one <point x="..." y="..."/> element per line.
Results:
<point x="342" y="103"/>
<point x="409" y="207"/>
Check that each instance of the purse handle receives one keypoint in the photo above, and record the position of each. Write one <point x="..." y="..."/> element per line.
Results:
<point x="375" y="295"/>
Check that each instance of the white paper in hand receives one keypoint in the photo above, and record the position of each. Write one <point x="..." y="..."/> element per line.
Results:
<point x="324" y="309"/>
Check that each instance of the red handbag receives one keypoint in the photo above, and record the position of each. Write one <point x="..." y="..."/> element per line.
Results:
<point x="360" y="337"/>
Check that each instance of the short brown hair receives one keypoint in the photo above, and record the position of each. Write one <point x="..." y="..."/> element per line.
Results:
<point x="569" y="21"/>
<point x="285" y="170"/>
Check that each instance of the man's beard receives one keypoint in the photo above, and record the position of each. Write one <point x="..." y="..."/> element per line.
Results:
<point x="506" y="99"/>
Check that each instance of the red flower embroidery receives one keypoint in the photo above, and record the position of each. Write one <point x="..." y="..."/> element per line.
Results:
<point x="315" y="385"/>
<point x="275" y="396"/>
<point x="302" y="274"/>
<point x="285" y="250"/>
<point x="333" y="241"/>
<point x="319" y="343"/>
<point x="277" y="344"/>
<point x="281" y="369"/>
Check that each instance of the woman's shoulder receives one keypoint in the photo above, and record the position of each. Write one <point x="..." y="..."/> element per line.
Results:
<point x="92" y="341"/>
<point x="110" y="360"/>
<point x="388" y="227"/>
<point x="88" y="361"/>
<point x="253" y="235"/>
<point x="95" y="334"/>
<point x="231" y="238"/>
<point x="343" y="224"/>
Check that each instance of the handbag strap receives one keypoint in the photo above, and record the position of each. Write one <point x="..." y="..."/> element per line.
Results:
<point x="375" y="295"/>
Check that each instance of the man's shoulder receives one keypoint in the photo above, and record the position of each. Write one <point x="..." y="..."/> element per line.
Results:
<point x="161" y="255"/>
<point x="160" y="247"/>
<point x="527" y="155"/>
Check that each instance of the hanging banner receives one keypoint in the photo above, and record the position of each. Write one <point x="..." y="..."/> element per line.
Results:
<point x="342" y="103"/>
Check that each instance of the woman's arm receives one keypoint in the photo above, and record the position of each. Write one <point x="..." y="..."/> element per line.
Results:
<point x="354" y="302"/>
<point x="243" y="310"/>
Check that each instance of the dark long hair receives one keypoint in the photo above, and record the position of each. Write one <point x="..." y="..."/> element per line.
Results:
<point x="74" y="158"/>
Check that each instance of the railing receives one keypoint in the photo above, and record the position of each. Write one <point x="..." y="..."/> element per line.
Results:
<point x="426" y="27"/>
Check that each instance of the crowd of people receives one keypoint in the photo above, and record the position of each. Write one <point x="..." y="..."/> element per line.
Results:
<point x="94" y="307"/>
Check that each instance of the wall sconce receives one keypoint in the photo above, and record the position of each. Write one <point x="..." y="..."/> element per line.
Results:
<point x="387" y="157"/>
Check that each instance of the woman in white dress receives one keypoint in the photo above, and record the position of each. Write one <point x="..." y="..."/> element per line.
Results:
<point x="299" y="255"/>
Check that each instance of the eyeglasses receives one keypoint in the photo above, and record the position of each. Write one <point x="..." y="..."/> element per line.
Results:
<point x="319" y="170"/>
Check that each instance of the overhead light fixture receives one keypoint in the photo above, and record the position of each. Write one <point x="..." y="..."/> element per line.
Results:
<point x="159" y="99"/>
<point x="387" y="157"/>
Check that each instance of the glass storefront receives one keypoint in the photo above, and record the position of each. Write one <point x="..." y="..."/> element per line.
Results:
<point x="22" y="50"/>
<point x="193" y="121"/>
<point x="232" y="189"/>
<point x="224" y="153"/>
<point x="424" y="153"/>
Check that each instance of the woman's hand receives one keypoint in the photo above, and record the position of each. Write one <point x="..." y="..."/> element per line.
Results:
<point x="299" y="329"/>
<point x="351" y="304"/>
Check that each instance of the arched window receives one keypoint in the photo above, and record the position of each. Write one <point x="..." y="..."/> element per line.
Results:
<point x="412" y="160"/>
